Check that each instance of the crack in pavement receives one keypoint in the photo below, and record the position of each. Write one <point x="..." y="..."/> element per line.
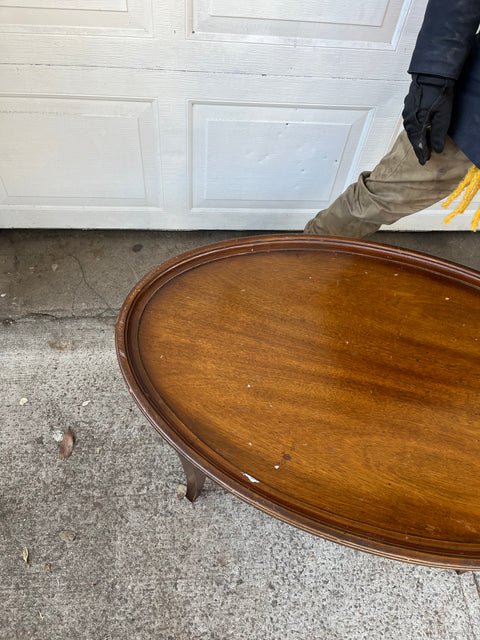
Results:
<point x="91" y="287"/>
<point x="9" y="320"/>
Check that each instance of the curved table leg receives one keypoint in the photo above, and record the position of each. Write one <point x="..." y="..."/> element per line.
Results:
<point x="195" y="479"/>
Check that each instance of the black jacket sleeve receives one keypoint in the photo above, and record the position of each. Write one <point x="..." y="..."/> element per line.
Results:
<point x="445" y="38"/>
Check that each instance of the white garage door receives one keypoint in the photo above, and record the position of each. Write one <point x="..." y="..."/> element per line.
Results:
<point x="206" y="114"/>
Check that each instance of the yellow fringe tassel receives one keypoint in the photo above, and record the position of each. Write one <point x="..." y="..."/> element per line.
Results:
<point x="470" y="184"/>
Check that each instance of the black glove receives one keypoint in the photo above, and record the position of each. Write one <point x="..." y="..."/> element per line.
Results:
<point x="427" y="114"/>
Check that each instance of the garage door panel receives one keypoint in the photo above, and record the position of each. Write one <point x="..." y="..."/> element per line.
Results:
<point x="100" y="17"/>
<point x="77" y="150"/>
<point x="272" y="156"/>
<point x="347" y="23"/>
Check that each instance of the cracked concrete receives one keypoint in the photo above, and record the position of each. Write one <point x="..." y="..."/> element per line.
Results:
<point x="70" y="274"/>
<point x="144" y="564"/>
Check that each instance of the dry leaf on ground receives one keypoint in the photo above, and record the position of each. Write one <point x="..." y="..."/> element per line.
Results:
<point x="66" y="446"/>
<point x="25" y="556"/>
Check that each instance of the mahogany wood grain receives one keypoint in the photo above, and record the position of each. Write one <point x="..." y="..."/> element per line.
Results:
<point x="331" y="383"/>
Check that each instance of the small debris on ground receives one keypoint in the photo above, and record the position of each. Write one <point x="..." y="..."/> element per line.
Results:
<point x="54" y="267"/>
<point x="84" y="404"/>
<point x="25" y="556"/>
<point x="23" y="401"/>
<point x="48" y="567"/>
<point x="181" y="491"/>
<point x="66" y="446"/>
<point x="67" y="535"/>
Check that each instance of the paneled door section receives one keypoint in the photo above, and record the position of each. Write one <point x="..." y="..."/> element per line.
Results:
<point x="205" y="114"/>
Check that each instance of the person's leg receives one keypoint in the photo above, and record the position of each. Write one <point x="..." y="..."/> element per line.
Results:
<point x="397" y="187"/>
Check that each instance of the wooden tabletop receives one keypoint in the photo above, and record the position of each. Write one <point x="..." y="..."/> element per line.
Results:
<point x="332" y="383"/>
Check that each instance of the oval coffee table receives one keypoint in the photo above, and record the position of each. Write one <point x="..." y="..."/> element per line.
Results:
<point x="331" y="383"/>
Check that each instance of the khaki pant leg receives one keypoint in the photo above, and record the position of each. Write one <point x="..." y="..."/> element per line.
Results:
<point x="397" y="187"/>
